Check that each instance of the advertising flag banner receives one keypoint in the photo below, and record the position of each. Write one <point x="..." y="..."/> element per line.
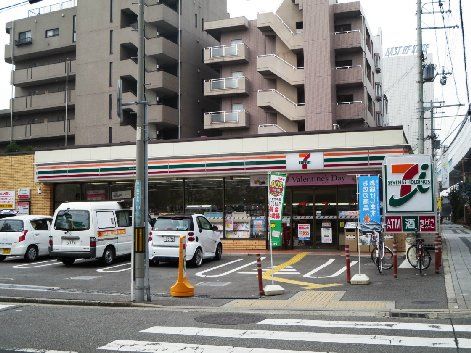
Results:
<point x="276" y="195"/>
<point x="368" y="196"/>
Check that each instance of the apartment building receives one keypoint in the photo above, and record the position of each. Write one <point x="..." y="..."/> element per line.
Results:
<point x="311" y="65"/>
<point x="69" y="57"/>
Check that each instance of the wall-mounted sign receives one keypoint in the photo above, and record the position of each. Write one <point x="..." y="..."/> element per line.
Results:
<point x="96" y="195"/>
<point x="24" y="194"/>
<point x="320" y="179"/>
<point x="326" y="235"/>
<point x="405" y="50"/>
<point x="258" y="180"/>
<point x="408" y="184"/>
<point x="305" y="161"/>
<point x="121" y="195"/>
<point x="411" y="224"/>
<point x="7" y="199"/>
<point x="22" y="207"/>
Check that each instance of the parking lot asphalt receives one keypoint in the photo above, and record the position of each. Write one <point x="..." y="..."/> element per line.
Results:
<point x="219" y="282"/>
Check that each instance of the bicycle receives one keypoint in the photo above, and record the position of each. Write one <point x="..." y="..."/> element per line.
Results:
<point x="418" y="256"/>
<point x="381" y="255"/>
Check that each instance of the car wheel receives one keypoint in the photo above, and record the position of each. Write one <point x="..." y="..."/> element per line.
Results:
<point x="67" y="261"/>
<point x="31" y="254"/>
<point x="2" y="257"/>
<point x="218" y="254"/>
<point x="108" y="256"/>
<point x="153" y="262"/>
<point x="197" y="259"/>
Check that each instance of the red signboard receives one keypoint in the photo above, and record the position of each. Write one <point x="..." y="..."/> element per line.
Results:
<point x="394" y="224"/>
<point x="427" y="224"/>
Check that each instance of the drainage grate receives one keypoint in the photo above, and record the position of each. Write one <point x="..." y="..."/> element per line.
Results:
<point x="229" y="319"/>
<point x="412" y="315"/>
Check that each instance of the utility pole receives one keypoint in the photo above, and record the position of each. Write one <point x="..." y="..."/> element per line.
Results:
<point x="66" y="101"/>
<point x="140" y="216"/>
<point x="432" y="131"/>
<point x="420" y="57"/>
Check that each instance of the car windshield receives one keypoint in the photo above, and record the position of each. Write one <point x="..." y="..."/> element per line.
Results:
<point x="72" y="220"/>
<point x="173" y="223"/>
<point x="11" y="225"/>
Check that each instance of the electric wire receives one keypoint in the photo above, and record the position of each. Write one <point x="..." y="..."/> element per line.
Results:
<point x="464" y="50"/>
<point x="9" y="7"/>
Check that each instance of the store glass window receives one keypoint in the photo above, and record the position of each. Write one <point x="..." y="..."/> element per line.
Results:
<point x="246" y="208"/>
<point x="66" y="193"/>
<point x="96" y="191"/>
<point x="166" y="197"/>
<point x="205" y="196"/>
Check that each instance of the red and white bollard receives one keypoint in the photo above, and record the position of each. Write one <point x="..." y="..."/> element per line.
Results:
<point x="347" y="262"/>
<point x="437" y="255"/>
<point x="395" y="259"/>
<point x="259" y="275"/>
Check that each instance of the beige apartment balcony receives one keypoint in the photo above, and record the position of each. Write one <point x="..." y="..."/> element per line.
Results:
<point x="346" y="111"/>
<point x="159" y="114"/>
<point x="226" y="86"/>
<point x="162" y="82"/>
<point x="348" y="9"/>
<point x="165" y="51"/>
<point x="348" y="40"/>
<point x="272" y="66"/>
<point x="215" y="28"/>
<point x="226" y="120"/>
<point x="273" y="100"/>
<point x="45" y="101"/>
<point x="159" y="15"/>
<point x="270" y="22"/>
<point x="349" y="75"/>
<point x="44" y="74"/>
<point x="37" y="131"/>
<point x="232" y="54"/>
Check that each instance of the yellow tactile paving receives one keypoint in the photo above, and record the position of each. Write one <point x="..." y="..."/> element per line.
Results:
<point x="312" y="300"/>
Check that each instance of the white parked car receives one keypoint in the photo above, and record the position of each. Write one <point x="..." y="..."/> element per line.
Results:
<point x="203" y="241"/>
<point x="26" y="236"/>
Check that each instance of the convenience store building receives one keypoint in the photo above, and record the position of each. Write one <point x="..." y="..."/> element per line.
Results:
<point x="225" y="179"/>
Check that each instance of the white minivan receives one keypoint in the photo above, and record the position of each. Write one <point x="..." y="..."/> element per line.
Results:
<point x="25" y="236"/>
<point x="91" y="230"/>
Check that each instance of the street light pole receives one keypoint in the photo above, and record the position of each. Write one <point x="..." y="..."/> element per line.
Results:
<point x="140" y="216"/>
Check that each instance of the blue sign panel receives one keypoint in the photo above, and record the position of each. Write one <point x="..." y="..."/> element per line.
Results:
<point x="369" y="208"/>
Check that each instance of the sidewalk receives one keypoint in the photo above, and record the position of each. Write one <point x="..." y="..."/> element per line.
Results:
<point x="457" y="262"/>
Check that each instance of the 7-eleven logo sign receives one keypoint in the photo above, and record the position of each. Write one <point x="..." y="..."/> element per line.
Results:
<point x="305" y="161"/>
<point x="409" y="185"/>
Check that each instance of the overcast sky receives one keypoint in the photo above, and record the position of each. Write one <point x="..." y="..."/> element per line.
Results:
<point x="396" y="18"/>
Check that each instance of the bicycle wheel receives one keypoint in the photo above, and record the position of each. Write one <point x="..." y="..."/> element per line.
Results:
<point x="373" y="255"/>
<point x="387" y="259"/>
<point x="379" y="265"/>
<point x="412" y="256"/>
<point x="426" y="259"/>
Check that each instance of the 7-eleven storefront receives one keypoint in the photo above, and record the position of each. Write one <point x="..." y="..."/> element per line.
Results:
<point x="225" y="179"/>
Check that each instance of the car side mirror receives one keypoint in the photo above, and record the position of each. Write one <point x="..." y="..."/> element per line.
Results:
<point x="214" y="228"/>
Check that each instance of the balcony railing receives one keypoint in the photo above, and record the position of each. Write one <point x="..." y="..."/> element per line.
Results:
<point x="51" y="8"/>
<point x="224" y="50"/>
<point x="225" y="83"/>
<point x="352" y="102"/>
<point x="224" y="117"/>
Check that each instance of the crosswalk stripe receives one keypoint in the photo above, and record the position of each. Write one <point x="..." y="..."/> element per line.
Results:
<point x="2" y="307"/>
<point x="409" y="326"/>
<point x="321" y="337"/>
<point x="148" y="347"/>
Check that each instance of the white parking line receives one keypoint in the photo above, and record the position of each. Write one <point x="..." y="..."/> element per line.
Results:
<point x="156" y="347"/>
<point x="321" y="337"/>
<point x="405" y="264"/>
<point x="110" y="269"/>
<point x="317" y="269"/>
<point x="408" y="326"/>
<point x="203" y="273"/>
<point x="3" y="307"/>
<point x="32" y="350"/>
<point x="27" y="265"/>
<point x="285" y="271"/>
<point x="336" y="274"/>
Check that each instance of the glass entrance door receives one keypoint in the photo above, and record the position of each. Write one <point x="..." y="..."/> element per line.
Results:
<point x="302" y="227"/>
<point x="326" y="217"/>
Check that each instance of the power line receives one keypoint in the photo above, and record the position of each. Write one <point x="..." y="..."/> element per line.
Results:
<point x="464" y="50"/>
<point x="13" y="6"/>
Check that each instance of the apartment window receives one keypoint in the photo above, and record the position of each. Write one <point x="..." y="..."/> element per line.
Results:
<point x="111" y="42"/>
<point x="346" y="27"/>
<point x="237" y="107"/>
<point x="24" y="38"/>
<point x="54" y="32"/>
<point x="196" y="20"/>
<point x="74" y="29"/>
<point x="237" y="74"/>
<point x="343" y="63"/>
<point x="299" y="26"/>
<point x="110" y="75"/>
<point x="345" y="98"/>
<point x="236" y="41"/>
<point x="202" y="24"/>
<point x="110" y="135"/>
<point x="111" y="11"/>
<point x="110" y="106"/>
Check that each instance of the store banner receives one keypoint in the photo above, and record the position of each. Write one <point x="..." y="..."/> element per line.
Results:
<point x="368" y="195"/>
<point x="276" y="195"/>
